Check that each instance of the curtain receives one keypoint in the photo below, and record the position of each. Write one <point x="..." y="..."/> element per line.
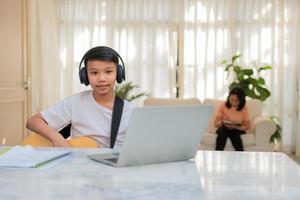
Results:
<point x="44" y="59"/>
<point x="155" y="37"/>
<point x="263" y="31"/>
<point x="143" y="32"/>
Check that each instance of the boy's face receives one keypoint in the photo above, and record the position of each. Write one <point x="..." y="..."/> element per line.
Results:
<point x="102" y="76"/>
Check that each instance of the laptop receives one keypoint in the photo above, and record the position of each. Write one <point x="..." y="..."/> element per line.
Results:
<point x="158" y="134"/>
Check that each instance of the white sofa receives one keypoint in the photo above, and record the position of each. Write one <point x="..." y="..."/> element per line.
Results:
<point x="257" y="139"/>
<point x="258" y="136"/>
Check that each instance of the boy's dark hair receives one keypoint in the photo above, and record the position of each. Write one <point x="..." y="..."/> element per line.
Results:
<point x="102" y="53"/>
<point x="239" y="92"/>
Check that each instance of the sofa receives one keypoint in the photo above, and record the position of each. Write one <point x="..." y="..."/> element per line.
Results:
<point x="256" y="139"/>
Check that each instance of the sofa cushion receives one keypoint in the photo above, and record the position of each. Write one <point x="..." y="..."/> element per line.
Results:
<point x="209" y="139"/>
<point x="255" y="108"/>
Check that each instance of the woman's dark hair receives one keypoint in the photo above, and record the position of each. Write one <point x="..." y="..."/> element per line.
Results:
<point x="239" y="92"/>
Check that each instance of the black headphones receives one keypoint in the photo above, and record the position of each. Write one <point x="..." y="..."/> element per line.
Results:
<point x="101" y="53"/>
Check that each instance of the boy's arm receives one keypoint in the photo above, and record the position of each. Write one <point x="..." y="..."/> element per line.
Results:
<point x="37" y="124"/>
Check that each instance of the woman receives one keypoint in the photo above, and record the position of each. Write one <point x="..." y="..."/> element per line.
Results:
<point x="232" y="120"/>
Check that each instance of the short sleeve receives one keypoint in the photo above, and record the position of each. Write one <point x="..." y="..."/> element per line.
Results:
<point x="58" y="115"/>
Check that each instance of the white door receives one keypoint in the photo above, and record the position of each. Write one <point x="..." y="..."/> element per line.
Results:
<point x="13" y="73"/>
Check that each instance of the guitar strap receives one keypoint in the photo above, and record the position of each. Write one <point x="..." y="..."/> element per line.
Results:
<point x="116" y="119"/>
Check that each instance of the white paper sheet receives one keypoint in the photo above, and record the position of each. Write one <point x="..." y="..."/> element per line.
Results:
<point x="28" y="157"/>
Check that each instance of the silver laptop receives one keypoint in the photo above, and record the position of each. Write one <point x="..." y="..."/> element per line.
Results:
<point x="158" y="134"/>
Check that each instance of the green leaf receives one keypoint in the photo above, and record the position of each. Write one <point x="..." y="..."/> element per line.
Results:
<point x="264" y="93"/>
<point x="233" y="85"/>
<point x="237" y="69"/>
<point x="276" y="136"/>
<point x="248" y="72"/>
<point x="261" y="81"/>
<point x="253" y="81"/>
<point x="267" y="67"/>
<point x="227" y="67"/>
<point x="223" y="62"/>
<point x="248" y="79"/>
<point x="132" y="97"/>
<point x="125" y="89"/>
<point x="240" y="77"/>
<point x="235" y="57"/>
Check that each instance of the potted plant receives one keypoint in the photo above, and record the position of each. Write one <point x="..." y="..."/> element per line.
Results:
<point x="253" y="84"/>
<point x="248" y="79"/>
<point x="277" y="135"/>
<point x="124" y="91"/>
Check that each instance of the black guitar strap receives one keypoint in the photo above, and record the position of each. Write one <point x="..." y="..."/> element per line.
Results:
<point x="116" y="119"/>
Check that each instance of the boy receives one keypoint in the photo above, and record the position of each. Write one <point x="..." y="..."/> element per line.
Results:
<point x="89" y="112"/>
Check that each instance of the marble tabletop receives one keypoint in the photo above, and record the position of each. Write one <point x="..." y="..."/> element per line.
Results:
<point x="211" y="175"/>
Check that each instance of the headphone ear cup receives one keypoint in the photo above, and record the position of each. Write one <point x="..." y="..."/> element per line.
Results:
<point x="123" y="73"/>
<point x="120" y="74"/>
<point x="83" y="76"/>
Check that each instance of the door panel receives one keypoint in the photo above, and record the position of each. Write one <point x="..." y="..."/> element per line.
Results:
<point x="11" y="123"/>
<point x="13" y="97"/>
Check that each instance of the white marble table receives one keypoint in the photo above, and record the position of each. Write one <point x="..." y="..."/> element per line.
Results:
<point x="213" y="175"/>
<point x="248" y="175"/>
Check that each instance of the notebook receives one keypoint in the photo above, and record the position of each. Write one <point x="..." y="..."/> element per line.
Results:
<point x="28" y="157"/>
<point x="158" y="134"/>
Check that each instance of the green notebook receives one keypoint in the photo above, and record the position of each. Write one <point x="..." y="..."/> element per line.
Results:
<point x="3" y="150"/>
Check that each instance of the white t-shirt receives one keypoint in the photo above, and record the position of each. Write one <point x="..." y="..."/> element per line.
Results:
<point x="88" y="118"/>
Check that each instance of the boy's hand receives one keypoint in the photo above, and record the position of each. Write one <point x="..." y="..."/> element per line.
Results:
<point x="61" y="143"/>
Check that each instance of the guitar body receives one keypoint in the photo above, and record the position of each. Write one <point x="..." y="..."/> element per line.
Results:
<point x="37" y="140"/>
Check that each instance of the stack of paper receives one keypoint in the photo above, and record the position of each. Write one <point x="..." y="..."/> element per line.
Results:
<point x="28" y="157"/>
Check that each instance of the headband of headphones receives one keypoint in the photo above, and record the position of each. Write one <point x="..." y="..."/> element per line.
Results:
<point x="101" y="53"/>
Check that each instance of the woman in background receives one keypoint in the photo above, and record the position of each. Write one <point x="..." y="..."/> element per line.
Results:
<point x="232" y="120"/>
